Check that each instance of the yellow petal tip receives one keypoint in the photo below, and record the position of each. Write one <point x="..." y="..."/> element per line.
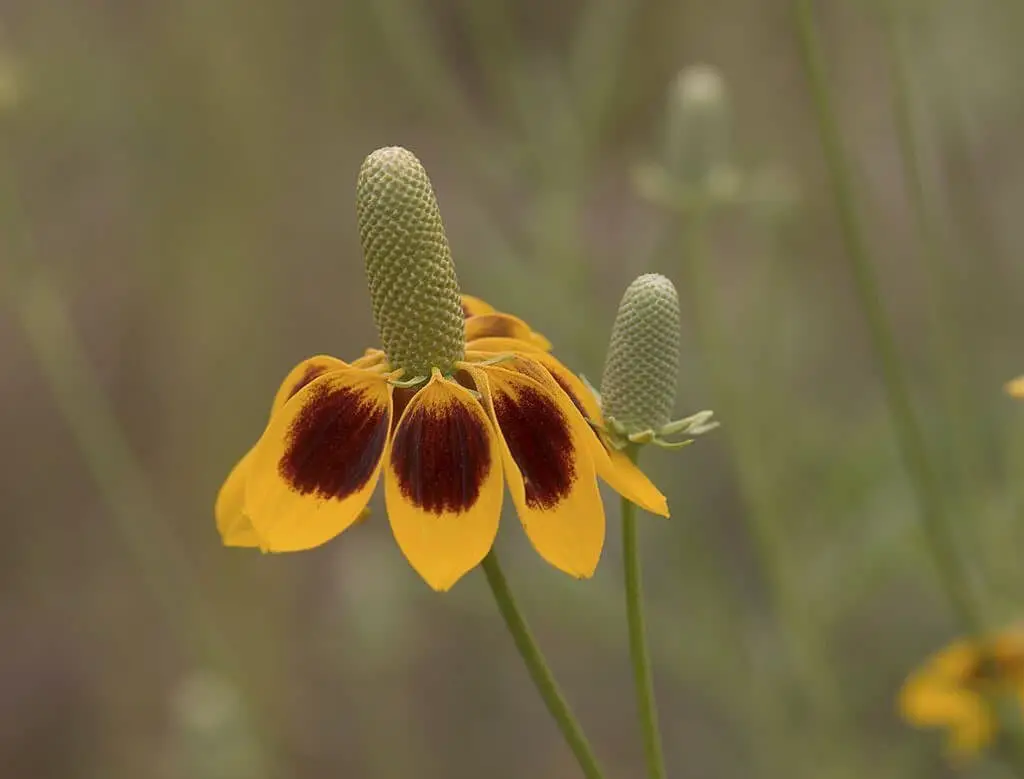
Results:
<point x="1015" y="387"/>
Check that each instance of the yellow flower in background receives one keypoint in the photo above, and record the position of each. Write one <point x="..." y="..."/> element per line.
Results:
<point x="1015" y="387"/>
<point x="959" y="687"/>
<point x="462" y="400"/>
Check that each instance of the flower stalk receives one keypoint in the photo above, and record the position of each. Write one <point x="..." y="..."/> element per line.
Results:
<point x="638" y="392"/>
<point x="639" y="654"/>
<point x="538" y="668"/>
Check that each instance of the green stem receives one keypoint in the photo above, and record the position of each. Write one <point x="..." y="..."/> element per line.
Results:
<point x="642" y="678"/>
<point x="945" y="345"/>
<point x="542" y="677"/>
<point x="951" y="568"/>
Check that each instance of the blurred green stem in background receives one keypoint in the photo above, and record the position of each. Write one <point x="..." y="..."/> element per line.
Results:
<point x="79" y="397"/>
<point x="39" y="308"/>
<point x="697" y="179"/>
<point x="538" y="668"/>
<point x="950" y="565"/>
<point x="646" y="706"/>
<point x="764" y="526"/>
<point x="82" y="404"/>
<point x="951" y="568"/>
<point x="946" y="344"/>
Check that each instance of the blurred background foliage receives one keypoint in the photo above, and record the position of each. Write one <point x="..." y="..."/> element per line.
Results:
<point x="178" y="231"/>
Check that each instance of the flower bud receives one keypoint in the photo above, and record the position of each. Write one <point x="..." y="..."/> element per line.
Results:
<point x="698" y="143"/>
<point x="638" y="388"/>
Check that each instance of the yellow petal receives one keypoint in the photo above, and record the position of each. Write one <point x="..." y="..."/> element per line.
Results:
<point x="234" y="526"/>
<point x="503" y="326"/>
<point x="572" y="385"/>
<point x="318" y="462"/>
<point x="972" y="734"/>
<point x="940" y="694"/>
<point x="472" y="306"/>
<point x="926" y="701"/>
<point x="497" y="345"/>
<point x="233" y="523"/>
<point x="548" y="464"/>
<point x="302" y="374"/>
<point x="621" y="474"/>
<point x="443" y="485"/>
<point x="1015" y="387"/>
<point x="370" y="358"/>
<point x="953" y="664"/>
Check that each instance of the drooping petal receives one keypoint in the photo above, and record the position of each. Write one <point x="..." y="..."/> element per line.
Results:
<point x="443" y="486"/>
<point x="233" y="524"/>
<point x="954" y="664"/>
<point x="621" y="473"/>
<point x="970" y="735"/>
<point x="548" y="463"/>
<point x="319" y="459"/>
<point x="942" y="693"/>
<point x="503" y="326"/>
<point x="472" y="306"/>
<point x="1015" y="387"/>
<point x="623" y="476"/>
<point x="572" y="385"/>
<point x="1007" y="652"/>
<point x="930" y="703"/>
<point x="926" y="700"/>
<point x="302" y="374"/>
<point x="496" y="345"/>
<point x="370" y="358"/>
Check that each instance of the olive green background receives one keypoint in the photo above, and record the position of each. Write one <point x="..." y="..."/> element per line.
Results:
<point x="178" y="229"/>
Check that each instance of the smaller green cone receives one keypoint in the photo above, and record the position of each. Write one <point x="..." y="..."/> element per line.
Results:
<point x="409" y="266"/>
<point x="638" y="388"/>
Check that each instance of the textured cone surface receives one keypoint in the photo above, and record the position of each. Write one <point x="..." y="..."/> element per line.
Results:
<point x="408" y="264"/>
<point x="638" y="388"/>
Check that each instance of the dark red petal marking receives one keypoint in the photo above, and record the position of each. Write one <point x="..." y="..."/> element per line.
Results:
<point x="335" y="442"/>
<point x="537" y="434"/>
<point x="467" y="312"/>
<point x="568" y="391"/>
<point x="400" y="398"/>
<point x="441" y="456"/>
<point x="312" y="372"/>
<point x="991" y="667"/>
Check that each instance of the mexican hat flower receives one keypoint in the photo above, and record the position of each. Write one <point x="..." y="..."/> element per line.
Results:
<point x="1015" y="387"/>
<point x="960" y="688"/>
<point x="461" y="401"/>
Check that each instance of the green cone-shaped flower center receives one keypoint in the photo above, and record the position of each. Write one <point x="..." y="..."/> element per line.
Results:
<point x="638" y="388"/>
<point x="408" y="264"/>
